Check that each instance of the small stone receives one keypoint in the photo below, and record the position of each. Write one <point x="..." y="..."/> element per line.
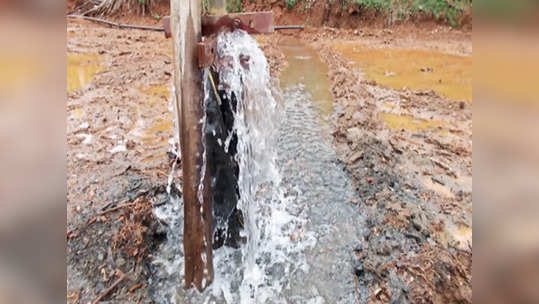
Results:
<point x="99" y="287"/>
<point x="358" y="116"/>
<point x="120" y="262"/>
<point x="355" y="157"/>
<point x="353" y="134"/>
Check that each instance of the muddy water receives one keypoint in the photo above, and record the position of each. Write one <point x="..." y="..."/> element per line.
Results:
<point x="300" y="224"/>
<point x="157" y="91"/>
<point x="305" y="68"/>
<point x="153" y="132"/>
<point x="398" y="122"/>
<point x="81" y="69"/>
<point x="446" y="74"/>
<point x="309" y="165"/>
<point x="324" y="192"/>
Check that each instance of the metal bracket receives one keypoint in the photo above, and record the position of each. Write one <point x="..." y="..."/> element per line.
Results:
<point x="252" y="23"/>
<point x="207" y="50"/>
<point x="166" y="26"/>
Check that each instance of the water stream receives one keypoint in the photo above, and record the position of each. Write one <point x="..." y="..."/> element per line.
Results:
<point x="300" y="226"/>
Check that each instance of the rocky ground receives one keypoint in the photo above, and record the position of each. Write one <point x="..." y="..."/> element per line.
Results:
<point x="414" y="185"/>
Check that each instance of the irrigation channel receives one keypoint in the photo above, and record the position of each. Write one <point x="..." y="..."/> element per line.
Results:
<point x="299" y="226"/>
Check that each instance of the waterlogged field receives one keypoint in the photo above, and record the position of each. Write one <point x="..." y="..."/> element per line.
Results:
<point x="347" y="186"/>
<point x="447" y="74"/>
<point x="81" y="69"/>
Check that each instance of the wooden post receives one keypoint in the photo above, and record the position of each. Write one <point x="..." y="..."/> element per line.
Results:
<point x="197" y="230"/>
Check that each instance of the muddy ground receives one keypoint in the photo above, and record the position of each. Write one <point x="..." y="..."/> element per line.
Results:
<point x="414" y="178"/>
<point x="409" y="152"/>
<point x="119" y="138"/>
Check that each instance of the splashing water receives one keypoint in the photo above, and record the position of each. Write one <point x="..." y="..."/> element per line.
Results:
<point x="294" y="196"/>
<point x="260" y="270"/>
<point x="269" y="224"/>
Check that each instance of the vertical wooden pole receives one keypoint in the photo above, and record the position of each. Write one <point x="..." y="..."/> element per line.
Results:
<point x="197" y="230"/>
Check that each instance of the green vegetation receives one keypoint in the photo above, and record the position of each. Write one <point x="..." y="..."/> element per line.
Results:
<point x="377" y="5"/>
<point x="448" y="10"/>
<point x="233" y="6"/>
<point x="445" y="10"/>
<point x="290" y="3"/>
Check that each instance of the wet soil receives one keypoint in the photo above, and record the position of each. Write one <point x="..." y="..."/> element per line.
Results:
<point x="119" y="139"/>
<point x="118" y="131"/>
<point x="409" y="152"/>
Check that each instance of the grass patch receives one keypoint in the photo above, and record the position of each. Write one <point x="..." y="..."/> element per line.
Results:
<point x="448" y="11"/>
<point x="377" y="5"/>
<point x="291" y="3"/>
<point x="234" y="6"/>
<point x="444" y="10"/>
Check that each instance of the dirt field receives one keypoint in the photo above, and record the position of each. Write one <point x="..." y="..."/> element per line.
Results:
<point x="409" y="151"/>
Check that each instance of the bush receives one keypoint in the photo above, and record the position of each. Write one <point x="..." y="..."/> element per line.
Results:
<point x="377" y="5"/>
<point x="447" y="10"/>
<point x="290" y="3"/>
<point x="442" y="9"/>
<point x="234" y="6"/>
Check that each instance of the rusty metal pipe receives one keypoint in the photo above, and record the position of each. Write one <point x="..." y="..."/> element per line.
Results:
<point x="288" y="27"/>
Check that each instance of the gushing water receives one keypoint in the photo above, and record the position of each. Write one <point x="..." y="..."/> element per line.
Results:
<point x="268" y="220"/>
<point x="294" y="197"/>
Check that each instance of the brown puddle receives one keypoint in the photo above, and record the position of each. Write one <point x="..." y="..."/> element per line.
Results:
<point x="81" y="69"/>
<point x="305" y="67"/>
<point x="447" y="75"/>
<point x="158" y="134"/>
<point x="162" y="126"/>
<point x="158" y="91"/>
<point x="398" y="122"/>
<point x="153" y="131"/>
